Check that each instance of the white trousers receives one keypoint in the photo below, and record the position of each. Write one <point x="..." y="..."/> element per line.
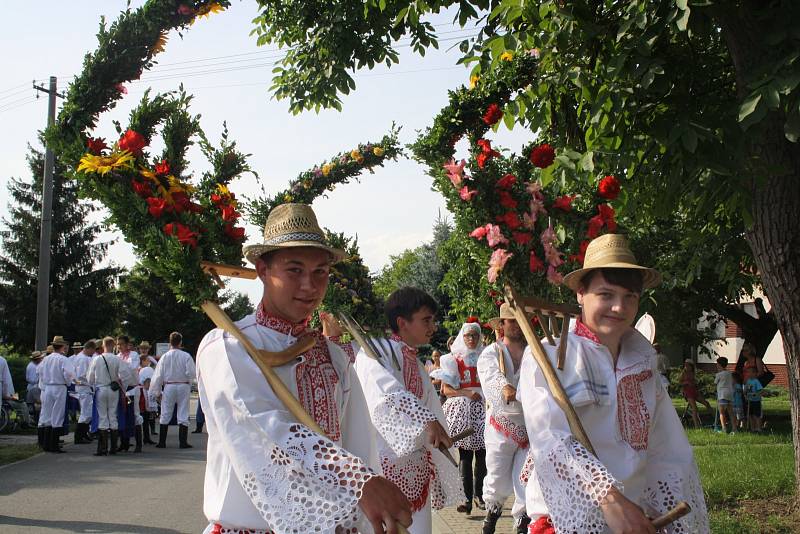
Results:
<point x="504" y="462"/>
<point x="85" y="400"/>
<point x="53" y="400"/>
<point x="107" y="402"/>
<point x="133" y="396"/>
<point x="421" y="520"/>
<point x="175" y="393"/>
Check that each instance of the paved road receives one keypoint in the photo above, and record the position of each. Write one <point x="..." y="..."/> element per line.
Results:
<point x="449" y="521"/>
<point x="157" y="491"/>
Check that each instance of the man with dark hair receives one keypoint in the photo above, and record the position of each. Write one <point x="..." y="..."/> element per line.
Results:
<point x="406" y="411"/>
<point x="175" y="372"/>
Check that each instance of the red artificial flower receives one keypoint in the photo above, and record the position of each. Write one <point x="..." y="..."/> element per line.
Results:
<point x="543" y="156"/>
<point x="493" y="114"/>
<point x="506" y="182"/>
<point x="156" y="206"/>
<point x="595" y="225"/>
<point x="181" y="201"/>
<point x="493" y="293"/>
<point x="234" y="232"/>
<point x="141" y="188"/>
<point x="215" y="198"/>
<point x="467" y="195"/>
<point x="472" y="319"/>
<point x="487" y="152"/>
<point x="582" y="254"/>
<point x="96" y="145"/>
<point x="195" y="208"/>
<point x="507" y="201"/>
<point x="163" y="167"/>
<point x="482" y="159"/>
<point x="564" y="203"/>
<point x="521" y="238"/>
<point x="608" y="188"/>
<point x="185" y="10"/>
<point x="133" y="142"/>
<point x="479" y="232"/>
<point x="229" y="213"/>
<point x="606" y="212"/>
<point x="182" y="232"/>
<point x="510" y="219"/>
<point x="535" y="264"/>
<point x="121" y="89"/>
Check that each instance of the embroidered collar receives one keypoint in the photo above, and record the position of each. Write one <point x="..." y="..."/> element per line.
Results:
<point x="279" y="324"/>
<point x="583" y="331"/>
<point x="406" y="346"/>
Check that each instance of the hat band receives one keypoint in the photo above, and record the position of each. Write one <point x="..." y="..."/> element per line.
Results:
<point x="296" y="236"/>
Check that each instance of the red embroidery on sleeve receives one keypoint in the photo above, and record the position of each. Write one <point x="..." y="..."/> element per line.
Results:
<point x="632" y="414"/>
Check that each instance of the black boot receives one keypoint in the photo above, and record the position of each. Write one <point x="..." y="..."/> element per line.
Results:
<point x="146" y="431"/>
<point x="112" y="442"/>
<point x="522" y="523"/>
<point x="82" y="434"/>
<point x="493" y="513"/>
<point x="124" y="443"/>
<point x="138" y="437"/>
<point x="162" y="437"/>
<point x="102" y="443"/>
<point x="42" y="435"/>
<point x="198" y="429"/>
<point x="183" y="436"/>
<point x="55" y="446"/>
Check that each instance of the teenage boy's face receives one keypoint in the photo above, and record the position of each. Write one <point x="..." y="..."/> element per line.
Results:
<point x="295" y="281"/>
<point x="419" y="329"/>
<point x="608" y="310"/>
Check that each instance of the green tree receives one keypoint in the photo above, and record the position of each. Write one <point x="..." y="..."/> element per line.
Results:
<point x="79" y="307"/>
<point x="148" y="310"/>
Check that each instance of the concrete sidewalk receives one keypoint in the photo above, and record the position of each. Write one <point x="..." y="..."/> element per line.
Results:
<point x="449" y="521"/>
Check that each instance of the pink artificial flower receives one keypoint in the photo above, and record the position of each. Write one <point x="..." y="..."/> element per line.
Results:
<point x="494" y="236"/>
<point x="467" y="195"/>
<point x="506" y="182"/>
<point x="551" y="253"/>
<point x="479" y="232"/>
<point x="496" y="263"/>
<point x="455" y="171"/>
<point x="553" y="276"/>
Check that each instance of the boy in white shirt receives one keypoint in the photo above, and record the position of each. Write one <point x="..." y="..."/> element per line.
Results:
<point x="724" y="381"/>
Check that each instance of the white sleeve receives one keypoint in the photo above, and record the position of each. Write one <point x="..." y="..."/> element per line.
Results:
<point x="397" y="414"/>
<point x="8" y="384"/>
<point x="191" y="369"/>
<point x="573" y="482"/>
<point x="157" y="378"/>
<point x="91" y="376"/>
<point x="449" y="368"/>
<point x="492" y="379"/>
<point x="298" y="480"/>
<point x="671" y="471"/>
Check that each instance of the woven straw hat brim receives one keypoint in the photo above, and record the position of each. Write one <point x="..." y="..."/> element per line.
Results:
<point x="253" y="252"/>
<point x="505" y="313"/>
<point x="650" y="277"/>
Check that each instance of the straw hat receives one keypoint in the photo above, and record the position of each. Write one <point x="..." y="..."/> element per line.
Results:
<point x="77" y="345"/>
<point x="49" y="350"/>
<point x="505" y="313"/>
<point x="59" y="341"/>
<point x="37" y="355"/>
<point x="611" y="251"/>
<point x="291" y="226"/>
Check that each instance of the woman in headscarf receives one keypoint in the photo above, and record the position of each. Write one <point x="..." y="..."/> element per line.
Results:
<point x="464" y="408"/>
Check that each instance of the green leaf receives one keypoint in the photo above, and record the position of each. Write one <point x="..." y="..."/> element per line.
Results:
<point x="587" y="161"/>
<point x="682" y="4"/>
<point x="689" y="140"/>
<point x="546" y="175"/>
<point x="683" y="20"/>
<point x="792" y="127"/>
<point x="749" y="105"/>
<point x="771" y="97"/>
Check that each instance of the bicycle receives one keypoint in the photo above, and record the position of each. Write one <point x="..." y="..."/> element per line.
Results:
<point x="12" y="417"/>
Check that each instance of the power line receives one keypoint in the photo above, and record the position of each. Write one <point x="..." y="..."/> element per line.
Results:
<point x="6" y="104"/>
<point x="15" y="87"/>
<point x="31" y="101"/>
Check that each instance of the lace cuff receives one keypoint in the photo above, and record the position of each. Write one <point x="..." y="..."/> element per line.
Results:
<point x="573" y="484"/>
<point x="310" y="485"/>
<point x="671" y="488"/>
<point x="400" y="419"/>
<point x="493" y="389"/>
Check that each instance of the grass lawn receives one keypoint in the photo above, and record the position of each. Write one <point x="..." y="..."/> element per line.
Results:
<point x="14" y="453"/>
<point x="748" y="478"/>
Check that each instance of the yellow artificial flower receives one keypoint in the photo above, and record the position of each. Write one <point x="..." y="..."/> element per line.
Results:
<point x="287" y="197"/>
<point x="223" y="189"/>
<point x="159" y="45"/>
<point x="378" y="151"/>
<point x="326" y="169"/>
<point x="176" y="186"/>
<point x="506" y="56"/>
<point x="473" y="81"/>
<point x="102" y="165"/>
<point x="355" y="154"/>
<point x="207" y="10"/>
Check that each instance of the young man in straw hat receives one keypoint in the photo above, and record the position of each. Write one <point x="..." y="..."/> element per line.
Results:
<point x="406" y="411"/>
<point x="81" y="362"/>
<point x="265" y="471"/>
<point x="505" y="435"/>
<point x="56" y="373"/>
<point x="644" y="463"/>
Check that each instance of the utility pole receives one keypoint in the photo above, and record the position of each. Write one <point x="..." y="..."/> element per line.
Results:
<point x="43" y="288"/>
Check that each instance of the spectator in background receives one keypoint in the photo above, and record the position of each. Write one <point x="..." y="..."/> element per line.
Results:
<point x="33" y="395"/>
<point x="749" y="359"/>
<point x="724" y="381"/>
<point x="662" y="364"/>
<point x="752" y="393"/>
<point x="738" y="401"/>
<point x="690" y="391"/>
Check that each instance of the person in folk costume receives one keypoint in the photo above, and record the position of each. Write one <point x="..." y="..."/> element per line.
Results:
<point x="505" y="435"/>
<point x="266" y="472"/>
<point x="105" y="370"/>
<point x="83" y="389"/>
<point x="147" y="404"/>
<point x="465" y="409"/>
<point x="644" y="463"/>
<point x="33" y="394"/>
<point x="144" y="354"/>
<point x="175" y="373"/>
<point x="129" y="416"/>
<point x="56" y="373"/>
<point x="406" y="411"/>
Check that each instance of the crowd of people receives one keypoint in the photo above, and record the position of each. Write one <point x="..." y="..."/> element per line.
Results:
<point x="112" y="392"/>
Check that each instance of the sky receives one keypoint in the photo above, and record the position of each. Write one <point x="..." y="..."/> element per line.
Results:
<point x="219" y="63"/>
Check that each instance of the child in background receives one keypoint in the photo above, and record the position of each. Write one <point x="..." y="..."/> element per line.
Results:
<point x="738" y="402"/>
<point x="752" y="393"/>
<point x="724" y="381"/>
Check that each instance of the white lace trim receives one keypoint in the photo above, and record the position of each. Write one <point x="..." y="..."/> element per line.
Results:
<point x="671" y="488"/>
<point x="573" y="484"/>
<point x="447" y="489"/>
<point x="312" y="485"/>
<point x="400" y="419"/>
<point x="493" y="389"/>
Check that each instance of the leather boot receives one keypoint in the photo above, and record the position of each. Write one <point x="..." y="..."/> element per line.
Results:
<point x="42" y="433"/>
<point x="146" y="432"/>
<point x="55" y="446"/>
<point x="102" y="443"/>
<point x="138" y="437"/>
<point x="82" y="434"/>
<point x="493" y="513"/>
<point x="183" y="436"/>
<point x="124" y="443"/>
<point x="522" y="523"/>
<point x="198" y="429"/>
<point x="162" y="437"/>
<point x="112" y="442"/>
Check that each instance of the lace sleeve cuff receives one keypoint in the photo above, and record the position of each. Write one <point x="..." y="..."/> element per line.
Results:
<point x="308" y="485"/>
<point x="573" y="484"/>
<point x="493" y="389"/>
<point x="401" y="420"/>
<point x="669" y="489"/>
